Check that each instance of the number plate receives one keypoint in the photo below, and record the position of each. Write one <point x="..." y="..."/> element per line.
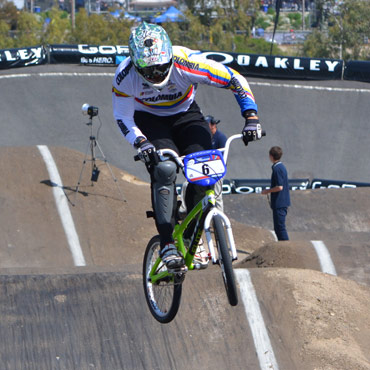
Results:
<point x="204" y="168"/>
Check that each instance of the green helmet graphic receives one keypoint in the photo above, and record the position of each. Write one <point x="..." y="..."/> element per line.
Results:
<point x="151" y="53"/>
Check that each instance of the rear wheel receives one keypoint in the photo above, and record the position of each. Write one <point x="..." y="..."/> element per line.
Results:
<point x="163" y="297"/>
<point x="225" y="260"/>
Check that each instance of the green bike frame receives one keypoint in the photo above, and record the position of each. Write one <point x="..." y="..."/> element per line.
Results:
<point x="198" y="213"/>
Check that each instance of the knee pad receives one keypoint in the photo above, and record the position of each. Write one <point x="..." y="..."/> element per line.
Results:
<point x="164" y="173"/>
<point x="163" y="191"/>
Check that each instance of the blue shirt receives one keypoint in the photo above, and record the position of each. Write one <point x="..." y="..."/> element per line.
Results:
<point x="279" y="177"/>
<point x="218" y="140"/>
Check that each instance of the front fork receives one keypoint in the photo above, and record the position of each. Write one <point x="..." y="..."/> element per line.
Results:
<point x="229" y="233"/>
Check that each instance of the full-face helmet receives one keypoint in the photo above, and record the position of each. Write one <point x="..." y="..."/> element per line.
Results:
<point x="150" y="50"/>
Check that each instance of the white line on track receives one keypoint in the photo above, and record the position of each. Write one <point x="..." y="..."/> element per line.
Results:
<point x="57" y="74"/>
<point x="261" y="339"/>
<point x="62" y="206"/>
<point x="322" y="252"/>
<point x="106" y="74"/>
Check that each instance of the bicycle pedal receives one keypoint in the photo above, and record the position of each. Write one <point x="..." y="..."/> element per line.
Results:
<point x="200" y="266"/>
<point x="181" y="269"/>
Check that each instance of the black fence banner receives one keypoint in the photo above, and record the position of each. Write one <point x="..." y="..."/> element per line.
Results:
<point x="248" y="186"/>
<point x="357" y="70"/>
<point x="336" y="184"/>
<point x="280" y="66"/>
<point x="23" y="57"/>
<point x="88" y="54"/>
<point x="266" y="66"/>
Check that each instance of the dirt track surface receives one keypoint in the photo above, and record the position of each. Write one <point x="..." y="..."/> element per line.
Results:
<point x="55" y="315"/>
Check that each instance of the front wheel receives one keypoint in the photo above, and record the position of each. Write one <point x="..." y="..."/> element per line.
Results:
<point x="225" y="261"/>
<point x="163" y="296"/>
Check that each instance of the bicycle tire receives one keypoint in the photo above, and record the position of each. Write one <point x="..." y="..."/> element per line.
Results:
<point x="225" y="261"/>
<point x="163" y="298"/>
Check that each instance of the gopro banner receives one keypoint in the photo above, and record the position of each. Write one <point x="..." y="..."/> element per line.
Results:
<point x="335" y="184"/>
<point x="22" y="57"/>
<point x="88" y="54"/>
<point x="279" y="66"/>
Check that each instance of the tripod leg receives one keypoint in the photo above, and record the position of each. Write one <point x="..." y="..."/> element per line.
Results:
<point x="82" y="169"/>
<point x="110" y="169"/>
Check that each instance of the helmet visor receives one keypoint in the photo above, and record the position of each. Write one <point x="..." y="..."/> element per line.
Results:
<point x="157" y="73"/>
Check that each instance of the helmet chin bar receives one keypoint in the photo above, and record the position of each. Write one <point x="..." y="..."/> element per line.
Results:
<point x="157" y="86"/>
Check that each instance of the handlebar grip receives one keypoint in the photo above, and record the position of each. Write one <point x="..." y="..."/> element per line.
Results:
<point x="136" y="158"/>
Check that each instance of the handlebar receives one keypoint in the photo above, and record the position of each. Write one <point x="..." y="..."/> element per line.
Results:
<point x="179" y="159"/>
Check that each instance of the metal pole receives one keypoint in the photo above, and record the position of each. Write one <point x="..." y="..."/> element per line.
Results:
<point x="73" y="8"/>
<point x="303" y="9"/>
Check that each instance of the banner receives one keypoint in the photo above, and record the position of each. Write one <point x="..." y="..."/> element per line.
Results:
<point x="336" y="184"/>
<point x="256" y="65"/>
<point x="248" y="64"/>
<point x="357" y="70"/>
<point x="87" y="54"/>
<point x="22" y="57"/>
<point x="280" y="66"/>
<point x="248" y="186"/>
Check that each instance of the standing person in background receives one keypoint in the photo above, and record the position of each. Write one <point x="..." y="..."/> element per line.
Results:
<point x="279" y="190"/>
<point x="218" y="141"/>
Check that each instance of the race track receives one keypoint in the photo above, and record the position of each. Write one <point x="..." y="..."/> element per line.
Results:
<point x="59" y="311"/>
<point x="322" y="126"/>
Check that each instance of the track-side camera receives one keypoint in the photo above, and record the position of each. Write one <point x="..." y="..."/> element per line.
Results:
<point x="90" y="110"/>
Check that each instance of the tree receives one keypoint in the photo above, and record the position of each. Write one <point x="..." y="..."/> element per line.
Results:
<point x="57" y="28"/>
<point x="5" y="40"/>
<point x="343" y="28"/>
<point x="29" y="30"/>
<point x="349" y="24"/>
<point x="9" y="13"/>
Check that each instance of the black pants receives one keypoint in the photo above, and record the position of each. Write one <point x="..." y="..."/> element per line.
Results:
<point x="184" y="133"/>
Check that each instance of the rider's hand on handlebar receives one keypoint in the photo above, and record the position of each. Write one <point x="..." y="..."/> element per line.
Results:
<point x="146" y="151"/>
<point x="252" y="130"/>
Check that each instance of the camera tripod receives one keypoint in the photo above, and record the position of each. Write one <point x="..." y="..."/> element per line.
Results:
<point x="93" y="144"/>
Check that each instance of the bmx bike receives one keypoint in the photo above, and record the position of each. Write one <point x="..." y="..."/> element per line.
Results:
<point x="162" y="286"/>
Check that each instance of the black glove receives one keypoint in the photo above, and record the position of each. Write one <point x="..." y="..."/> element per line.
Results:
<point x="146" y="151"/>
<point x="252" y="130"/>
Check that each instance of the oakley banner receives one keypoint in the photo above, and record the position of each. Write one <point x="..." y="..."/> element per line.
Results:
<point x="357" y="70"/>
<point x="88" y="54"/>
<point x="280" y="66"/>
<point x="22" y="57"/>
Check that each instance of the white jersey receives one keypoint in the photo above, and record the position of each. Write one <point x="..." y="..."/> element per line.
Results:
<point x="130" y="93"/>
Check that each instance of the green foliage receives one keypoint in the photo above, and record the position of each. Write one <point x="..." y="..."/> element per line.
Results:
<point x="340" y="33"/>
<point x="255" y="46"/>
<point x="58" y="30"/>
<point x="8" y="13"/>
<point x="295" y="20"/>
<point x="5" y="40"/>
<point x="316" y="46"/>
<point x="29" y="30"/>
